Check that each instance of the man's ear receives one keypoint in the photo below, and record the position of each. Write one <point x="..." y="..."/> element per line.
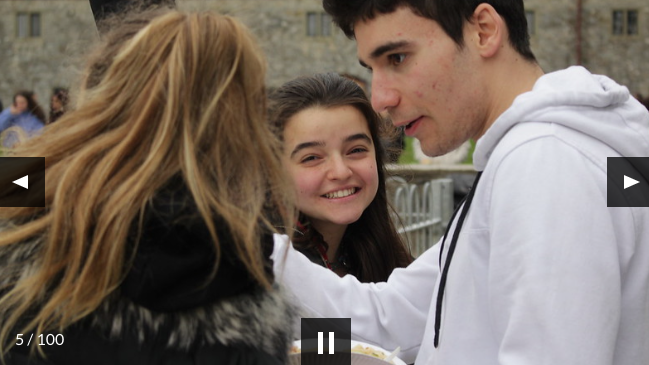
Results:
<point x="489" y="30"/>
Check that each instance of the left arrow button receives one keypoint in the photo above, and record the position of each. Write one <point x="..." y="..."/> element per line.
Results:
<point x="23" y="181"/>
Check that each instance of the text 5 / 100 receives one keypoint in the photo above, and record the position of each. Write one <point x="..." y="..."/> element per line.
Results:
<point x="48" y="339"/>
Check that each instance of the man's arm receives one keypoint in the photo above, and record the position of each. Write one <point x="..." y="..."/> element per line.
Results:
<point x="389" y="314"/>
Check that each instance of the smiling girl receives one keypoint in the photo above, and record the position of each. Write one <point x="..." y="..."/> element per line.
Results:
<point x="333" y="153"/>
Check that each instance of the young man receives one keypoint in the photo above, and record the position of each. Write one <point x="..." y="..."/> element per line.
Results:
<point x="535" y="268"/>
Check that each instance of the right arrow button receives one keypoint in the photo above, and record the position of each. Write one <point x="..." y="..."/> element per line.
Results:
<point x="628" y="182"/>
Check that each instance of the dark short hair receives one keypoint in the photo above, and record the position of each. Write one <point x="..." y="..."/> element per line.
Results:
<point x="450" y="14"/>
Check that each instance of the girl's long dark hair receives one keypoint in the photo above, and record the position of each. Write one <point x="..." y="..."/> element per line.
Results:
<point x="373" y="244"/>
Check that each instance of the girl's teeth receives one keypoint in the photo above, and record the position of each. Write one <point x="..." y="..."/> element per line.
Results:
<point x="340" y="193"/>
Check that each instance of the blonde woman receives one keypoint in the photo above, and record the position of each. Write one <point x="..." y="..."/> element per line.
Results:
<point x="154" y="244"/>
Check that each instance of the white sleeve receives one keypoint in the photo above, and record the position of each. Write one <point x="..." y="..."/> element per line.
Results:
<point x="389" y="314"/>
<point x="555" y="278"/>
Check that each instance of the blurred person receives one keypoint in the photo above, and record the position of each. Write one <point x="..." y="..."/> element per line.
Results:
<point x="58" y="104"/>
<point x="24" y="116"/>
<point x="534" y="267"/>
<point x="154" y="244"/>
<point x="334" y="155"/>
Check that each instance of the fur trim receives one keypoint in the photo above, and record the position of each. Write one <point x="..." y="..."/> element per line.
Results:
<point x="262" y="319"/>
<point x="18" y="260"/>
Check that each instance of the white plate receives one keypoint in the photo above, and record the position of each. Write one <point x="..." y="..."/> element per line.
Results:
<point x="362" y="359"/>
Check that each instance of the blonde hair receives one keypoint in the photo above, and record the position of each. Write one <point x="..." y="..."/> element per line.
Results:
<point x="181" y="96"/>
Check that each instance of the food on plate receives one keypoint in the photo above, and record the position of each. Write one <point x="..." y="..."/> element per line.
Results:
<point x="366" y="350"/>
<point x="357" y="348"/>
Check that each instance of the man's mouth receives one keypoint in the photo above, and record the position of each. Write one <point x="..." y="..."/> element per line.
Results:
<point x="409" y="125"/>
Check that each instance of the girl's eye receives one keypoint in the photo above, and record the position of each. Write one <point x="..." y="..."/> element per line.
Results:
<point x="396" y="58"/>
<point x="308" y="159"/>
<point x="359" y="150"/>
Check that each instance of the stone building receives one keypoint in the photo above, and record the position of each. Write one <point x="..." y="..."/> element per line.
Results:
<point x="41" y="41"/>
<point x="608" y="37"/>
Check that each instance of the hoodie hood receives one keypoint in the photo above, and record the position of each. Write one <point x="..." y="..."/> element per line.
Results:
<point x="575" y="98"/>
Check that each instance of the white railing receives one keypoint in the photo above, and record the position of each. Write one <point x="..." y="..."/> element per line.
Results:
<point x="423" y="210"/>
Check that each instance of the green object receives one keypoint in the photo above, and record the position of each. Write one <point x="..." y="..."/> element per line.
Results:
<point x="407" y="157"/>
<point x="469" y="157"/>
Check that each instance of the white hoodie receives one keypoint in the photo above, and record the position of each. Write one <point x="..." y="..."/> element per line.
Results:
<point x="543" y="271"/>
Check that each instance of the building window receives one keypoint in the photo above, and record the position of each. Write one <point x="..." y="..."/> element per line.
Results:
<point x="28" y="25"/>
<point x="625" y="22"/>
<point x="632" y="22"/>
<point x="325" y="24"/>
<point x="531" y="21"/>
<point x="311" y="24"/>
<point x="318" y="24"/>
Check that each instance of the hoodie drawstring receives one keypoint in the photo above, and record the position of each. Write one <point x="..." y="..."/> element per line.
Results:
<point x="464" y="206"/>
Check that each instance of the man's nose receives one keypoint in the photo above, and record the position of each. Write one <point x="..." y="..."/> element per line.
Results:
<point x="384" y="96"/>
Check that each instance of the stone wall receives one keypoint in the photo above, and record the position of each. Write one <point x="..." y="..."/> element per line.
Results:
<point x="623" y="58"/>
<point x="280" y="26"/>
<point x="68" y="30"/>
<point x="39" y="64"/>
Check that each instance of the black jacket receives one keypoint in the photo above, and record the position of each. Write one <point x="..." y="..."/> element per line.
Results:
<point x="165" y="312"/>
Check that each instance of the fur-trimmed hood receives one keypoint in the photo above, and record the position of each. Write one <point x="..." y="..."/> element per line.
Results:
<point x="262" y="320"/>
<point x="259" y="319"/>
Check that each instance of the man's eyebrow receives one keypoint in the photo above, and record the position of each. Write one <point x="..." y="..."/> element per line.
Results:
<point x="380" y="50"/>
<point x="383" y="49"/>
<point x="304" y="145"/>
